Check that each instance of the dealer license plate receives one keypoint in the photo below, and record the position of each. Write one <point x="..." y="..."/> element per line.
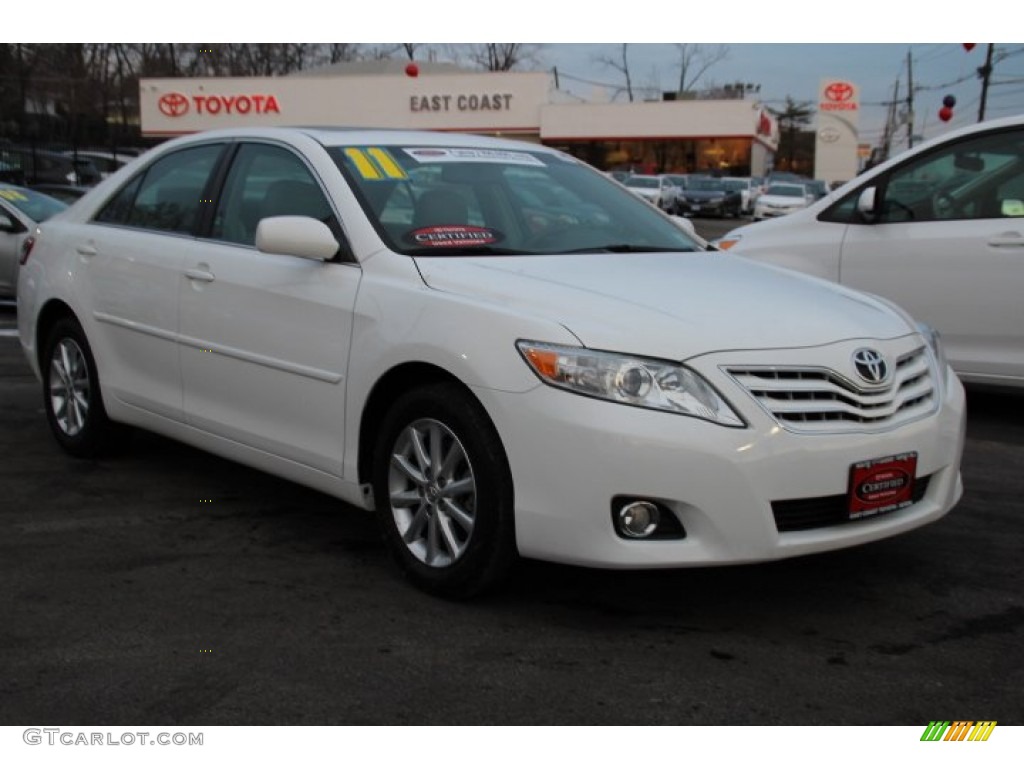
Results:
<point x="881" y="485"/>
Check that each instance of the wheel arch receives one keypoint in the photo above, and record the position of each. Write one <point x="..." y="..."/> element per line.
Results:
<point x="53" y="311"/>
<point x="388" y="388"/>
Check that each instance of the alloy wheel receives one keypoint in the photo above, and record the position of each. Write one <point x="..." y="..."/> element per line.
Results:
<point x="432" y="492"/>
<point x="69" y="387"/>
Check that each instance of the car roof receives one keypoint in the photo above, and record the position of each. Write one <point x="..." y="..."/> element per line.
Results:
<point x="333" y="136"/>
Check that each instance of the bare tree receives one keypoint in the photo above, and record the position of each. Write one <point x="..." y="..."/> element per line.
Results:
<point x="621" y="65"/>
<point x="695" y="60"/>
<point x="497" y="57"/>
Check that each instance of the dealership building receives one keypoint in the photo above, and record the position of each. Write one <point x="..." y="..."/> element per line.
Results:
<point x="734" y="136"/>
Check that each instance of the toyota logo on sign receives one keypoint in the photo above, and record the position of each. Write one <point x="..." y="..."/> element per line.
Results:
<point x="870" y="365"/>
<point x="838" y="91"/>
<point x="173" y="104"/>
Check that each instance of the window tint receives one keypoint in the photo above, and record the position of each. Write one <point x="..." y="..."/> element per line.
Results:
<point x="168" y="196"/>
<point x="449" y="201"/>
<point x="267" y="181"/>
<point x="981" y="178"/>
<point x="120" y="206"/>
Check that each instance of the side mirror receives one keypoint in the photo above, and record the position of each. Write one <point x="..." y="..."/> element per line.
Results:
<point x="300" y="236"/>
<point x="866" y="204"/>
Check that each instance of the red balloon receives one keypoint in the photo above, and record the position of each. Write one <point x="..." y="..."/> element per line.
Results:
<point x="968" y="46"/>
<point x="411" y="69"/>
<point x="945" y="114"/>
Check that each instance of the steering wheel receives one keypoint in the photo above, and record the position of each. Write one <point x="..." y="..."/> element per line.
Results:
<point x="943" y="205"/>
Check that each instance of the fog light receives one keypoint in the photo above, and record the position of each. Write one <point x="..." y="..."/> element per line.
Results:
<point x="638" y="520"/>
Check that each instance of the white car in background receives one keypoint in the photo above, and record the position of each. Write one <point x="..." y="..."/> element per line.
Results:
<point x="781" y="199"/>
<point x="21" y="210"/>
<point x="657" y="190"/>
<point x="939" y="230"/>
<point x="406" y="321"/>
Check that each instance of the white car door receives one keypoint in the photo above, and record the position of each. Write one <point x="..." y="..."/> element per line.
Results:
<point x="265" y="337"/>
<point x="947" y="244"/>
<point x="131" y="258"/>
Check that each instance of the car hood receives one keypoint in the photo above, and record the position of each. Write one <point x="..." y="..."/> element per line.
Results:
<point x="668" y="305"/>
<point x="645" y="191"/>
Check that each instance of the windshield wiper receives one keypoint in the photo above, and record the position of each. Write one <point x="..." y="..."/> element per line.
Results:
<point x="629" y="248"/>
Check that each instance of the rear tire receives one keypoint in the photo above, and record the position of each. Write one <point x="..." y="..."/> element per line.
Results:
<point x="443" y="492"/>
<point x="71" y="393"/>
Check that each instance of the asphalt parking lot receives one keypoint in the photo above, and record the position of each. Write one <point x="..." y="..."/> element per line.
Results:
<point x="164" y="585"/>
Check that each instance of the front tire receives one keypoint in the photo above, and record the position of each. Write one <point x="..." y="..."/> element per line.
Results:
<point x="71" y="392"/>
<point x="443" y="492"/>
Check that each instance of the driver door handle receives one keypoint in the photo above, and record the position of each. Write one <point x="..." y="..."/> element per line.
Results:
<point x="1007" y="240"/>
<point x="202" y="275"/>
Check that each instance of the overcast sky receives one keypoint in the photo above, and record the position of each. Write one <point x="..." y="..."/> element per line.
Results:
<point x="796" y="70"/>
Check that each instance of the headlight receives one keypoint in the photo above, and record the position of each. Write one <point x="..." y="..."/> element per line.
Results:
<point x="938" y="352"/>
<point x="628" y="380"/>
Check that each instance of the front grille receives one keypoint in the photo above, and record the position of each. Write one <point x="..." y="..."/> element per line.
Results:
<point x="822" y="400"/>
<point x="826" y="511"/>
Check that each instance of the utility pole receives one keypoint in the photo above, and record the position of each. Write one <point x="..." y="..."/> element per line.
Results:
<point x="910" y="101"/>
<point x="985" y="72"/>
<point x="890" y="121"/>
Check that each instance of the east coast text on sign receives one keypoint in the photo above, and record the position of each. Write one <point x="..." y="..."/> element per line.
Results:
<point x="463" y="102"/>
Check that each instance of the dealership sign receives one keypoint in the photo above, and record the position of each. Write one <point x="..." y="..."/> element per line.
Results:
<point x="507" y="102"/>
<point x="176" y="104"/>
<point x="839" y="96"/>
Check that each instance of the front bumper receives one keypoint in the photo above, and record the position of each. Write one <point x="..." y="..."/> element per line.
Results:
<point x="702" y="206"/>
<point x="570" y="455"/>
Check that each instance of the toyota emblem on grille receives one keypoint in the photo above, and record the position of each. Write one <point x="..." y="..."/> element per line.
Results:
<point x="870" y="365"/>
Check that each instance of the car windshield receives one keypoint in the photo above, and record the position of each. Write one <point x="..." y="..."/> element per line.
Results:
<point x="456" y="201"/>
<point x="644" y="182"/>
<point x="786" y="190"/>
<point x="36" y="206"/>
<point x="736" y="185"/>
<point x="708" y="185"/>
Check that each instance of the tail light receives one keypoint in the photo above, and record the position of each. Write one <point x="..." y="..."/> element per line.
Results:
<point x="26" y="249"/>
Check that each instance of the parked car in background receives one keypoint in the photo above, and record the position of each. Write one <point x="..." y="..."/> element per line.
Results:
<point x="21" y="210"/>
<point x="373" y="313"/>
<point x="817" y="188"/>
<point x="680" y="180"/>
<point x="67" y="193"/>
<point x="41" y="167"/>
<point x="654" y="189"/>
<point x="939" y="230"/>
<point x="104" y="162"/>
<point x="781" y="199"/>
<point x="708" y="196"/>
<point x="748" y="189"/>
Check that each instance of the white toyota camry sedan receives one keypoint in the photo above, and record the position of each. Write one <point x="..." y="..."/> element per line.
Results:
<point x="495" y="347"/>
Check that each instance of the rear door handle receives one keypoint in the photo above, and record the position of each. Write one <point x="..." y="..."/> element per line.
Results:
<point x="84" y="249"/>
<point x="202" y="275"/>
